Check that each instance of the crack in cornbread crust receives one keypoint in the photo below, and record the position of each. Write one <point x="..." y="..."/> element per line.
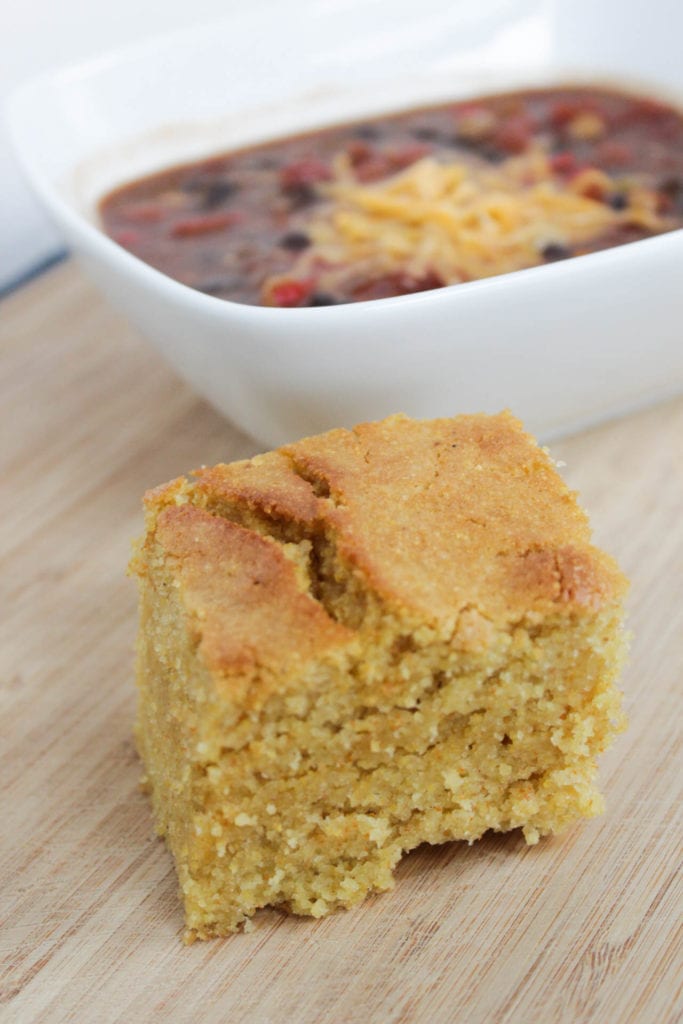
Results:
<point x="472" y="512"/>
<point x="333" y="701"/>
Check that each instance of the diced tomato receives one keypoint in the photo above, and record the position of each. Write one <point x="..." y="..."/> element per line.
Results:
<point x="381" y="165"/>
<point x="127" y="237"/>
<point x="291" y="292"/>
<point x="375" y="168"/>
<point x="565" y="163"/>
<point x="514" y="134"/>
<point x="143" y="213"/>
<point x="206" y="223"/>
<point x="304" y="172"/>
<point x="564" y="111"/>
<point x="593" y="190"/>
<point x="408" y="155"/>
<point x="614" y="154"/>
<point x="368" y="163"/>
<point x="358" y="152"/>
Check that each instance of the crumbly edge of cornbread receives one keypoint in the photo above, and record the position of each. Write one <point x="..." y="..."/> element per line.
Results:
<point x="397" y="732"/>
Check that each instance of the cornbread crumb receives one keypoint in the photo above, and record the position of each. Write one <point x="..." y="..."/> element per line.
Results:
<point x="361" y="642"/>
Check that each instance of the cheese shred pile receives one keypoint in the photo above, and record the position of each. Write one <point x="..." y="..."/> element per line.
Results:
<point x="462" y="221"/>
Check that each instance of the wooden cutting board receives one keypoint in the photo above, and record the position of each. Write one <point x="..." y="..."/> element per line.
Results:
<point x="581" y="928"/>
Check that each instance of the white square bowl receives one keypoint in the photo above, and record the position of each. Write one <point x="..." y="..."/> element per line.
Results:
<point x="562" y="345"/>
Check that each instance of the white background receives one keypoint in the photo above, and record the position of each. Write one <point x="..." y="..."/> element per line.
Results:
<point x="39" y="34"/>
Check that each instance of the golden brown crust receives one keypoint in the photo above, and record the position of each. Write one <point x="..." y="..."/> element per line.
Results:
<point x="459" y="524"/>
<point x="265" y="483"/>
<point x="565" y="576"/>
<point x="243" y="595"/>
<point x="432" y="513"/>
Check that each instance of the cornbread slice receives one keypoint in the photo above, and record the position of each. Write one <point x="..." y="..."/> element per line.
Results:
<point x="365" y="641"/>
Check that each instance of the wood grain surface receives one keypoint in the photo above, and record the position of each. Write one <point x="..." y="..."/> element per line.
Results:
<point x="581" y="928"/>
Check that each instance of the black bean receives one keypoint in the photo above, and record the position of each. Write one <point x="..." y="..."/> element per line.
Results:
<point x="671" y="187"/>
<point x="367" y="131"/>
<point x="295" y="241"/>
<point x="478" y="148"/>
<point x="301" y="194"/>
<point x="322" y="299"/>
<point x="427" y="134"/>
<point x="493" y="155"/>
<point x="555" y="251"/>
<point x="214" y="193"/>
<point x="618" y="201"/>
<point x="211" y="192"/>
<point x="217" y="286"/>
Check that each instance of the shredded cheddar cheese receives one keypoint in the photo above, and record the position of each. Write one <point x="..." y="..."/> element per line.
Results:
<point x="461" y="221"/>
